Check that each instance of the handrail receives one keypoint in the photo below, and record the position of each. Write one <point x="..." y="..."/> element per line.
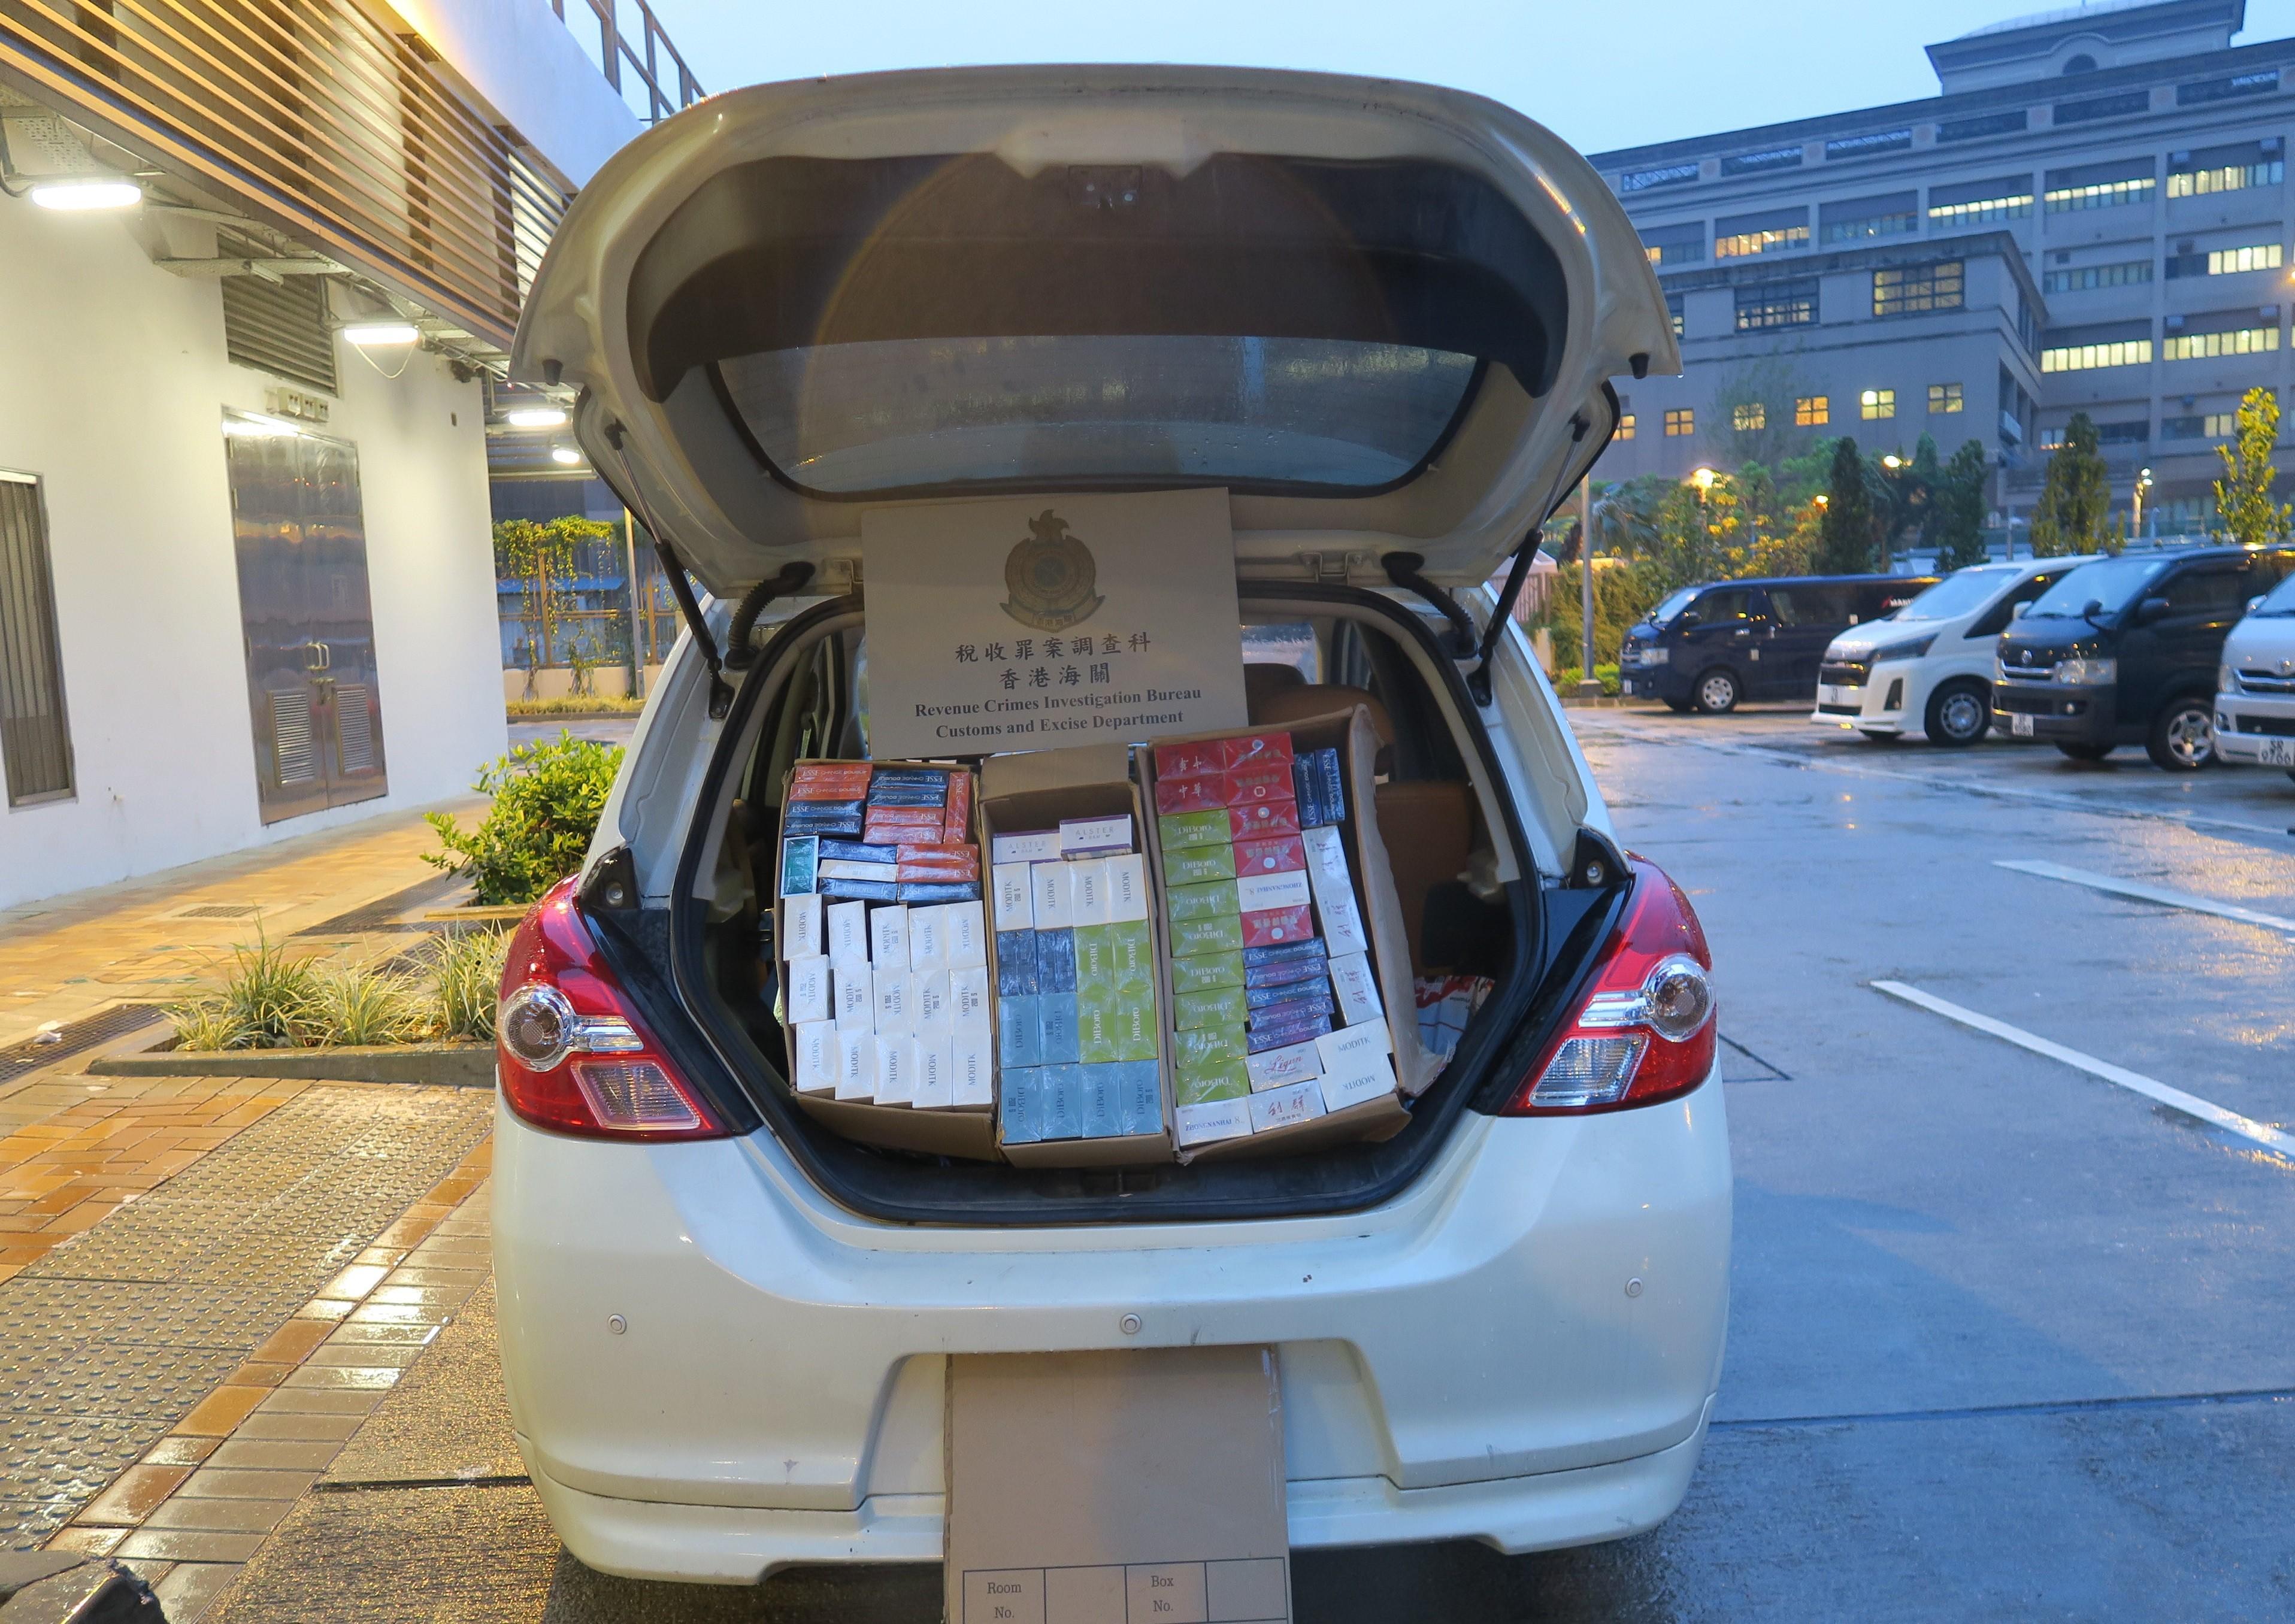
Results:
<point x="616" y="48"/>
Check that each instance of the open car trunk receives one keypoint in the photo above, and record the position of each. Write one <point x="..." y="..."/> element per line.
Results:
<point x="1472" y="906"/>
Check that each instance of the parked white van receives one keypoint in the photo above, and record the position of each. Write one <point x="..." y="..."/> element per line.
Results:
<point x="1926" y="671"/>
<point x="2255" y="689"/>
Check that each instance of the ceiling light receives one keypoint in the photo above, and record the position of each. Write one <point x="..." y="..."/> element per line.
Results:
<point x="535" y="417"/>
<point x="82" y="193"/>
<point x="566" y="454"/>
<point x="369" y="335"/>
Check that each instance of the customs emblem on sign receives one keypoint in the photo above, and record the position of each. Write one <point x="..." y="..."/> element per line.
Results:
<point x="1051" y="577"/>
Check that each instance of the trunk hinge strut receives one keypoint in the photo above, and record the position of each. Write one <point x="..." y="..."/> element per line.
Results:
<point x="1402" y="569"/>
<point x="689" y="607"/>
<point x="1478" y="680"/>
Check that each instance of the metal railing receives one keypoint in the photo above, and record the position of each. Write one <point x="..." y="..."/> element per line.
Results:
<point x="317" y="119"/>
<point x="643" y="50"/>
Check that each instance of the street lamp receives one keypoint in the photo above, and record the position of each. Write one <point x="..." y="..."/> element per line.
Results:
<point x="1892" y="462"/>
<point x="2142" y="484"/>
<point x="1703" y="480"/>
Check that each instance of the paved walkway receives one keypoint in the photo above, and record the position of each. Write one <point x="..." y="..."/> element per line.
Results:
<point x="150" y="939"/>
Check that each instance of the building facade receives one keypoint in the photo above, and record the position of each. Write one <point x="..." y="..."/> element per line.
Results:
<point x="2092" y="216"/>
<point x="260" y="263"/>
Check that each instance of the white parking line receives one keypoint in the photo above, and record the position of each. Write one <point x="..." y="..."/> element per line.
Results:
<point x="2151" y="1088"/>
<point x="2142" y="893"/>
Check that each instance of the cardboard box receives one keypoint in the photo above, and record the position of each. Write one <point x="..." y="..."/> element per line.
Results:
<point x="1381" y="911"/>
<point x="967" y="1128"/>
<point x="1041" y="790"/>
<point x="1095" y="1487"/>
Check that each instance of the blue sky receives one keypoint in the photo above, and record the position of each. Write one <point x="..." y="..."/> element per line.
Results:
<point x="1604" y="75"/>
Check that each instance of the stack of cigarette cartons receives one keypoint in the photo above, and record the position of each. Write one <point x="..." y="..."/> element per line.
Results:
<point x="883" y="939"/>
<point x="1278" y="971"/>
<point x="1079" y="1026"/>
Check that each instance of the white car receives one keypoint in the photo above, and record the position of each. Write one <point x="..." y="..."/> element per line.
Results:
<point x="1926" y="671"/>
<point x="1383" y="319"/>
<point x="2255" y="690"/>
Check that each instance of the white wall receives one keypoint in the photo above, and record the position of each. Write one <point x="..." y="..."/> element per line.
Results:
<point x="112" y="387"/>
<point x="520" y="59"/>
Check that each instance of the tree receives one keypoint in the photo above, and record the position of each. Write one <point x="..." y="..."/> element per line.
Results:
<point x="539" y="557"/>
<point x="1919" y="485"/>
<point x="1753" y="410"/>
<point x="1845" y="536"/>
<point x="1957" y="512"/>
<point x="2243" y="494"/>
<point x="2069" y="516"/>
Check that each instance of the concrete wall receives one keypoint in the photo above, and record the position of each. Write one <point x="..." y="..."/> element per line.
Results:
<point x="116" y="383"/>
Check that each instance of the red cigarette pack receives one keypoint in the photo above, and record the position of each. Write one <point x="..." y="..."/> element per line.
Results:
<point x="1271" y="926"/>
<point x="1200" y="758"/>
<point x="1263" y="817"/>
<point x="1263" y="781"/>
<point x="1254" y="750"/>
<point x="829" y="780"/>
<point x="1280" y="854"/>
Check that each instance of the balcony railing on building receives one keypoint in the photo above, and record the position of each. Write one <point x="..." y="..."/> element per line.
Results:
<point x="638" y="59"/>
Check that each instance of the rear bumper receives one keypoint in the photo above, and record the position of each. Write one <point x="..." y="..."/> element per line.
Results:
<point x="731" y="1545"/>
<point x="781" y="1362"/>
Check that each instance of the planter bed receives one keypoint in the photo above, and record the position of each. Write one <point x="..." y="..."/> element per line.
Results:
<point x="461" y="1065"/>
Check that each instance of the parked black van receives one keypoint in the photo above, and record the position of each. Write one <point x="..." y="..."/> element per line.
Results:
<point x="1706" y="647"/>
<point x="2124" y="651"/>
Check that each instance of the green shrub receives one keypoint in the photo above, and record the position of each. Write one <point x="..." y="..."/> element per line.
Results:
<point x="364" y="1006"/>
<point x="261" y="1005"/>
<point x="573" y="704"/>
<point x="469" y="977"/>
<point x="548" y="797"/>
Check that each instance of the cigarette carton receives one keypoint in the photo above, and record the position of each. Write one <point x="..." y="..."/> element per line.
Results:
<point x="856" y="1064"/>
<point x="972" y="1058"/>
<point x="928" y="938"/>
<point x="812" y="1056"/>
<point x="1088" y="888"/>
<point x="1205" y="971"/>
<point x="1062" y="1101"/>
<point x="964" y="931"/>
<point x="1275" y="1068"/>
<point x="1286" y="1107"/>
<point x="1270" y="854"/>
<point x="801" y="928"/>
<point x="1177" y="831"/>
<point x="883" y="873"/>
<point x="1055" y="961"/>
<point x="848" y="932"/>
<point x="896" y="1003"/>
<point x="1365" y="1081"/>
<point x="1193" y="937"/>
<point x="1103" y="1102"/>
<point x="1015" y="908"/>
<point x="1041" y="845"/>
<point x="1059" y="1041"/>
<point x="1016" y="963"/>
<point x="1019" y="1105"/>
<point x="1201" y="1048"/>
<point x="1095" y="836"/>
<point x="1196" y="865"/>
<point x="805" y="991"/>
<point x="935" y="1070"/>
<point x="1052" y="887"/>
<point x="800" y="864"/>
<point x="1216" y="1007"/>
<point x="1270" y="927"/>
<point x="856" y="992"/>
<point x="1132" y="953"/>
<point x="1214" y="899"/>
<point x="1127" y="889"/>
<point x="968" y="1001"/>
<point x="1206" y="1124"/>
<point x="1264" y="892"/>
<point x="931" y="1012"/>
<point x="896" y="1082"/>
<point x="1019" y="1033"/>
<point x="888" y="937"/>
<point x="1227" y="1081"/>
<point x="1357" y="989"/>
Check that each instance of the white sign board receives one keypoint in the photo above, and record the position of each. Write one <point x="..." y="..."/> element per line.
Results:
<point x="1032" y="625"/>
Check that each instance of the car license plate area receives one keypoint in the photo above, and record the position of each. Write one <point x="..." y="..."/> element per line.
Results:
<point x="1833" y="693"/>
<point x="2278" y="753"/>
<point x="2020" y="726"/>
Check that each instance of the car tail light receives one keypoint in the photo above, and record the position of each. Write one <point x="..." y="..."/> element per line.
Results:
<point x="1644" y="1030"/>
<point x="573" y="1057"/>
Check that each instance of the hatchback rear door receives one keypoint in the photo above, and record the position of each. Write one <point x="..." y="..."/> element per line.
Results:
<point x="1382" y="316"/>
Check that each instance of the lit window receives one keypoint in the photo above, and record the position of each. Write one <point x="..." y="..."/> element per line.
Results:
<point x="1876" y="403"/>
<point x="2087" y="357"/>
<point x="1625" y="427"/>
<point x="1673" y="312"/>
<point x="1680" y="420"/>
<point x="1773" y="241"/>
<point x="2207" y="346"/>
<point x="2261" y="257"/>
<point x="1782" y="304"/>
<point x="2015" y="206"/>
<point x="1749" y="414"/>
<point x="2219" y="425"/>
<point x="1944" y="397"/>
<point x="1812" y="410"/>
<point x="1901" y="223"/>
<point x="1918" y="288"/>
<point x="2109" y="194"/>
<point x="2226" y="177"/>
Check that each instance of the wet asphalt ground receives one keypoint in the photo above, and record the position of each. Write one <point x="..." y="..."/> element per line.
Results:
<point x="2009" y="1341"/>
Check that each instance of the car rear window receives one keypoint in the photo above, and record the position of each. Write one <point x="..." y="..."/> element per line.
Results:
<point x="1330" y="415"/>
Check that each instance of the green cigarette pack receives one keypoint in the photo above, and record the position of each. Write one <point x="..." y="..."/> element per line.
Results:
<point x="1131" y="950"/>
<point x="1216" y="900"/>
<point x="1217" y="1006"/>
<point x="1228" y="1079"/>
<point x="1193" y="937"/>
<point x="1196" y="864"/>
<point x="1205" y="971"/>
<point x="1207" y="1047"/>
<point x="1180" y="829"/>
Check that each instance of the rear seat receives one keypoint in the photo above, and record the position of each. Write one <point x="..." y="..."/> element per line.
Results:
<point x="1428" y="825"/>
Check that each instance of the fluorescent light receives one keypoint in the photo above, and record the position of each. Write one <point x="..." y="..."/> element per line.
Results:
<point x="369" y="335"/>
<point x="535" y="417"/>
<point x="255" y="426"/>
<point x="88" y="191"/>
<point x="566" y="454"/>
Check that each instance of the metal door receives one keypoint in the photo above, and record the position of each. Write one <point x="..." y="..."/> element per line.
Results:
<point x="309" y="623"/>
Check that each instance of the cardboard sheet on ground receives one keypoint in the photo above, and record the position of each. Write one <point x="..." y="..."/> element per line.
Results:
<point x="1116" y="1488"/>
<point x="1025" y="625"/>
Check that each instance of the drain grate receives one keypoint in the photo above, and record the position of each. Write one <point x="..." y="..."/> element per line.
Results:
<point x="383" y="913"/>
<point x="75" y="1038"/>
<point x="216" y="911"/>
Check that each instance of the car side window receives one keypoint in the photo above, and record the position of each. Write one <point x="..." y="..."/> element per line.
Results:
<point x="1814" y="605"/>
<point x="2204" y="592"/>
<point x="1729" y="606"/>
<point x="1995" y="619"/>
<point x="2267" y="570"/>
